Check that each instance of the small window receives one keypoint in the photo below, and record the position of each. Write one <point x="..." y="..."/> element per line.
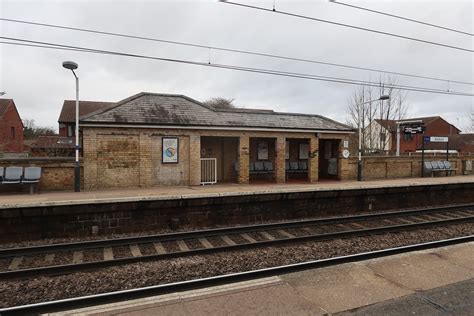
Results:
<point x="70" y="131"/>
<point x="382" y="137"/>
<point x="12" y="131"/>
<point x="408" y="137"/>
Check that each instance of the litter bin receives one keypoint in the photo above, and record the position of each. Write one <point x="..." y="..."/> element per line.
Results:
<point x="467" y="166"/>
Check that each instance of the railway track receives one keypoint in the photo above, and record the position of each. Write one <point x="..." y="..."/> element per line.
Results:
<point x="161" y="289"/>
<point x="71" y="257"/>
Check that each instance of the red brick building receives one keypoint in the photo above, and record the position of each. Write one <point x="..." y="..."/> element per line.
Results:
<point x="67" y="118"/>
<point x="435" y="126"/>
<point x="11" y="127"/>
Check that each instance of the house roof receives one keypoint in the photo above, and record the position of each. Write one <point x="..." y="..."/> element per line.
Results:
<point x="4" y="103"/>
<point x="459" y="142"/>
<point x="391" y="124"/>
<point x="68" y="112"/>
<point x="179" y="110"/>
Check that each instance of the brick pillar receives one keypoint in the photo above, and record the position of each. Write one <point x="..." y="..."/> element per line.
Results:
<point x="89" y="159"/>
<point x="344" y="170"/>
<point x="313" y="159"/>
<point x="280" y="159"/>
<point x="244" y="157"/>
<point x="194" y="160"/>
<point x="146" y="171"/>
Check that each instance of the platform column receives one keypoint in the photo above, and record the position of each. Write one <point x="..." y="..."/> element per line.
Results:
<point x="244" y="158"/>
<point x="313" y="159"/>
<point x="194" y="160"/>
<point x="280" y="159"/>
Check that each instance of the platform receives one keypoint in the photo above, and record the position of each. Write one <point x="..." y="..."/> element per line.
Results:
<point x="219" y="190"/>
<point x="430" y="282"/>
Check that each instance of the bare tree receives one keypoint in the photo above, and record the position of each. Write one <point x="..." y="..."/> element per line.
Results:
<point x="469" y="127"/>
<point x="220" y="103"/>
<point x="374" y="136"/>
<point x="31" y="130"/>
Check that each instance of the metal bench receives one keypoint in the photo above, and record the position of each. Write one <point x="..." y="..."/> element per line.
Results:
<point x="32" y="177"/>
<point x="18" y="175"/>
<point x="438" y="166"/>
<point x="261" y="167"/>
<point x="296" y="166"/>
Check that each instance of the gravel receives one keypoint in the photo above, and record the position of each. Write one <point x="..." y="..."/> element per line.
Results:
<point x="39" y="289"/>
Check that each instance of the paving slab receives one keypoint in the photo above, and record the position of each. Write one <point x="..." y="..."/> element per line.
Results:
<point x="343" y="287"/>
<point x="420" y="271"/>
<point x="453" y="299"/>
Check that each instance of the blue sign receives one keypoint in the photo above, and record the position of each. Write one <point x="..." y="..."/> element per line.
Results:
<point x="426" y="139"/>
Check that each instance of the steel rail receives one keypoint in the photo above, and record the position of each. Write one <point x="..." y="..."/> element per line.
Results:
<point x="103" y="298"/>
<point x="85" y="245"/>
<point x="69" y="268"/>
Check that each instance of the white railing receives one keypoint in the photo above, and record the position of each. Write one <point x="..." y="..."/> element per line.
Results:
<point x="208" y="171"/>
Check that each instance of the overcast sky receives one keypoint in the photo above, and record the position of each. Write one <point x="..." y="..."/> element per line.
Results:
<point x="34" y="78"/>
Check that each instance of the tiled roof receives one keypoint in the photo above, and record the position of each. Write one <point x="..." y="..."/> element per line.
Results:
<point x="4" y="103"/>
<point x="178" y="110"/>
<point x="459" y="142"/>
<point x="391" y="124"/>
<point x="68" y="112"/>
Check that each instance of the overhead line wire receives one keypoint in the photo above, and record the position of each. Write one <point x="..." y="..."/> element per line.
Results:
<point x="401" y="17"/>
<point x="349" y="26"/>
<point x="207" y="47"/>
<point x="41" y="44"/>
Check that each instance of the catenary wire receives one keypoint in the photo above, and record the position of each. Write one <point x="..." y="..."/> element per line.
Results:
<point x="235" y="51"/>
<point x="39" y="44"/>
<point x="348" y="25"/>
<point x="401" y="17"/>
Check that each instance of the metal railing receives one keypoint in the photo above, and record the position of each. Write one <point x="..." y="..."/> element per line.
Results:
<point x="208" y="171"/>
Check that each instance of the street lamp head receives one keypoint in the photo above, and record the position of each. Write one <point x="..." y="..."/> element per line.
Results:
<point x="70" y="65"/>
<point x="384" y="97"/>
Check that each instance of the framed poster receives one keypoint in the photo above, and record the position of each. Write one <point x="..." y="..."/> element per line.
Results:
<point x="304" y="151"/>
<point x="170" y="148"/>
<point x="262" y="150"/>
<point x="287" y="150"/>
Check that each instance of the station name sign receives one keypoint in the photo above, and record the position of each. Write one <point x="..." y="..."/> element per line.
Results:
<point x="438" y="139"/>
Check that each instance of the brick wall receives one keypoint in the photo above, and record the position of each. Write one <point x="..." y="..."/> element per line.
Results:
<point x="111" y="160"/>
<point x="396" y="167"/>
<point x="11" y="130"/>
<point x="80" y="220"/>
<point x="57" y="173"/>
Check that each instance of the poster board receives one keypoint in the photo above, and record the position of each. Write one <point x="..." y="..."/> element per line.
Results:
<point x="170" y="150"/>
<point x="262" y="150"/>
<point x="304" y="151"/>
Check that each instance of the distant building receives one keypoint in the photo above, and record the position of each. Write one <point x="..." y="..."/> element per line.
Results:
<point x="462" y="143"/>
<point x="67" y="118"/>
<point x="51" y="146"/>
<point x="11" y="127"/>
<point x="384" y="134"/>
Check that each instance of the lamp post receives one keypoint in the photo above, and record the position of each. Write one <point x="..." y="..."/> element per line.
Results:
<point x="359" y="162"/>
<point x="77" y="168"/>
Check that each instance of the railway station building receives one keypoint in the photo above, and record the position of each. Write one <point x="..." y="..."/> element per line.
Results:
<point x="152" y="139"/>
